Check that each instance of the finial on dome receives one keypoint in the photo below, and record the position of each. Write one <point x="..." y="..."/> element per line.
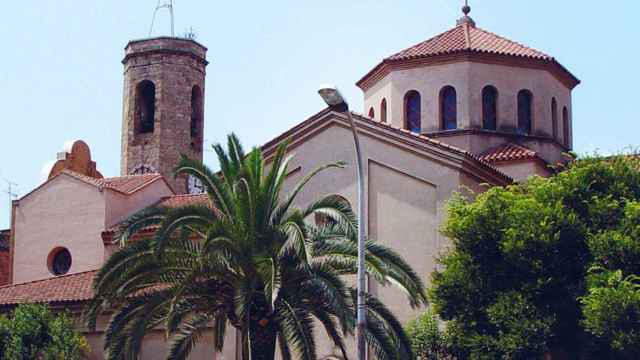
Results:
<point x="466" y="9"/>
<point x="466" y="19"/>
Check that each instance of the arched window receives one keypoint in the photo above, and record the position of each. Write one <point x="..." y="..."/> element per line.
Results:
<point x="412" y="112"/>
<point x="372" y="113"/>
<point x="554" y="118"/>
<point x="448" y="108"/>
<point x="489" y="108"/>
<point x="525" y="111"/>
<point x="565" y="127"/>
<point x="145" y="107"/>
<point x="383" y="110"/>
<point x="196" y="112"/>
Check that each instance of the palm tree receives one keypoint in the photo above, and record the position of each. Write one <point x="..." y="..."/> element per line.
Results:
<point x="250" y="260"/>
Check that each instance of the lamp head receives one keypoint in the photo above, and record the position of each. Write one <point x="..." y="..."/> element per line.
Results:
<point x="331" y="95"/>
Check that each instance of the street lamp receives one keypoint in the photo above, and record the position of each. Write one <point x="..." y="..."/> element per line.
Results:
<point x="331" y="95"/>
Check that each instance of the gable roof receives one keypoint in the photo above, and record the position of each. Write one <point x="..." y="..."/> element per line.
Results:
<point x="388" y="131"/>
<point x="66" y="288"/>
<point x="467" y="39"/>
<point x="125" y="185"/>
<point x="509" y="152"/>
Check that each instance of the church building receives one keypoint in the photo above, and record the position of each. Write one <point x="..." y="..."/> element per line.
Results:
<point x="461" y="111"/>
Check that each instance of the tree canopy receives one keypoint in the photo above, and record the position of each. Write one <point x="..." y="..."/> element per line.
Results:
<point x="34" y="332"/>
<point x="547" y="267"/>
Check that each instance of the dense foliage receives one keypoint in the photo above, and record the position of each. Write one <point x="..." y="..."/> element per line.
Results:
<point x="427" y="339"/>
<point x="250" y="260"/>
<point x="547" y="267"/>
<point x="33" y="332"/>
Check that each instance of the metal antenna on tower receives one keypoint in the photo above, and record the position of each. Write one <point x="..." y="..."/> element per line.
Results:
<point x="163" y="4"/>
<point x="9" y="191"/>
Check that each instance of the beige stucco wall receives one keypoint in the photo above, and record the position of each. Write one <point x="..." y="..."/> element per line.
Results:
<point x="522" y="170"/>
<point x="65" y="212"/>
<point x="469" y="78"/>
<point x="155" y="346"/>
<point x="406" y="195"/>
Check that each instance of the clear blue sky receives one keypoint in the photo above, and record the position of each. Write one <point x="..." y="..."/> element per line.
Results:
<point x="61" y="76"/>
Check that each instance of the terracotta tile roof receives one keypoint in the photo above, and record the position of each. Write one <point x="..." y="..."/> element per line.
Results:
<point x="123" y="184"/>
<point x="184" y="200"/>
<point x="66" y="288"/>
<point x="467" y="37"/>
<point x="508" y="152"/>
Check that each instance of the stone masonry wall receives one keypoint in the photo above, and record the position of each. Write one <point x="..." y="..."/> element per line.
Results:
<point x="174" y="66"/>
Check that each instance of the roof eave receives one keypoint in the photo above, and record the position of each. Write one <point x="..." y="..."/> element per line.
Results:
<point x="386" y="65"/>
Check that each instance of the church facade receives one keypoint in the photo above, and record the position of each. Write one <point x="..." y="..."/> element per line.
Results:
<point x="458" y="112"/>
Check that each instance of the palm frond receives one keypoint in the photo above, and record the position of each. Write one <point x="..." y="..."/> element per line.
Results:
<point x="187" y="336"/>
<point x="297" y="327"/>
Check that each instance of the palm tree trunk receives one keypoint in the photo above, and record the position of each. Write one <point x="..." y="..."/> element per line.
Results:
<point x="262" y="335"/>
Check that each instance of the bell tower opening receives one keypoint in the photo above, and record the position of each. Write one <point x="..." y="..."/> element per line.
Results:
<point x="196" y="118"/>
<point x="163" y="112"/>
<point x="145" y="107"/>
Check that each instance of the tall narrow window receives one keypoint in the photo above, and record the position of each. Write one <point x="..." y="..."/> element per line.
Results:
<point x="372" y="113"/>
<point x="489" y="108"/>
<point x="145" y="107"/>
<point x="196" y="112"/>
<point x="525" y="111"/>
<point x="565" y="127"/>
<point x="554" y="118"/>
<point x="383" y="110"/>
<point x="412" y="111"/>
<point x="448" y="108"/>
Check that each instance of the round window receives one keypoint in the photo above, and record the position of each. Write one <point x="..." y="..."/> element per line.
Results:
<point x="59" y="261"/>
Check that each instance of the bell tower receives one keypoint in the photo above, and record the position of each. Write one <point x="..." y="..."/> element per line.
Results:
<point x="163" y="106"/>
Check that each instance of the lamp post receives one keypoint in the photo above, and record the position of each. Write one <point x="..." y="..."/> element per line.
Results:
<point x="336" y="101"/>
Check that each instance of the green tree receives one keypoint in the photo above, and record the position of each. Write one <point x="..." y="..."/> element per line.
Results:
<point x="33" y="332"/>
<point x="427" y="340"/>
<point x="517" y="281"/>
<point x="250" y="260"/>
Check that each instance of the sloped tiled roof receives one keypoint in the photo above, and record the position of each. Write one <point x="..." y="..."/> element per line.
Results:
<point x="468" y="40"/>
<point x="467" y="37"/>
<point x="123" y="184"/>
<point x="66" y="288"/>
<point x="508" y="152"/>
<point x="175" y="201"/>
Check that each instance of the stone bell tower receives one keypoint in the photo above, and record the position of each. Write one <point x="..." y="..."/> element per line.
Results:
<point x="163" y="106"/>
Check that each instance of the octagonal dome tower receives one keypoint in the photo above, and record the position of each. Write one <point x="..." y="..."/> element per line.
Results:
<point x="475" y="90"/>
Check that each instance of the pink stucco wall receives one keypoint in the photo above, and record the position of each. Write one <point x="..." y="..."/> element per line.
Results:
<point x="119" y="206"/>
<point x="65" y="212"/>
